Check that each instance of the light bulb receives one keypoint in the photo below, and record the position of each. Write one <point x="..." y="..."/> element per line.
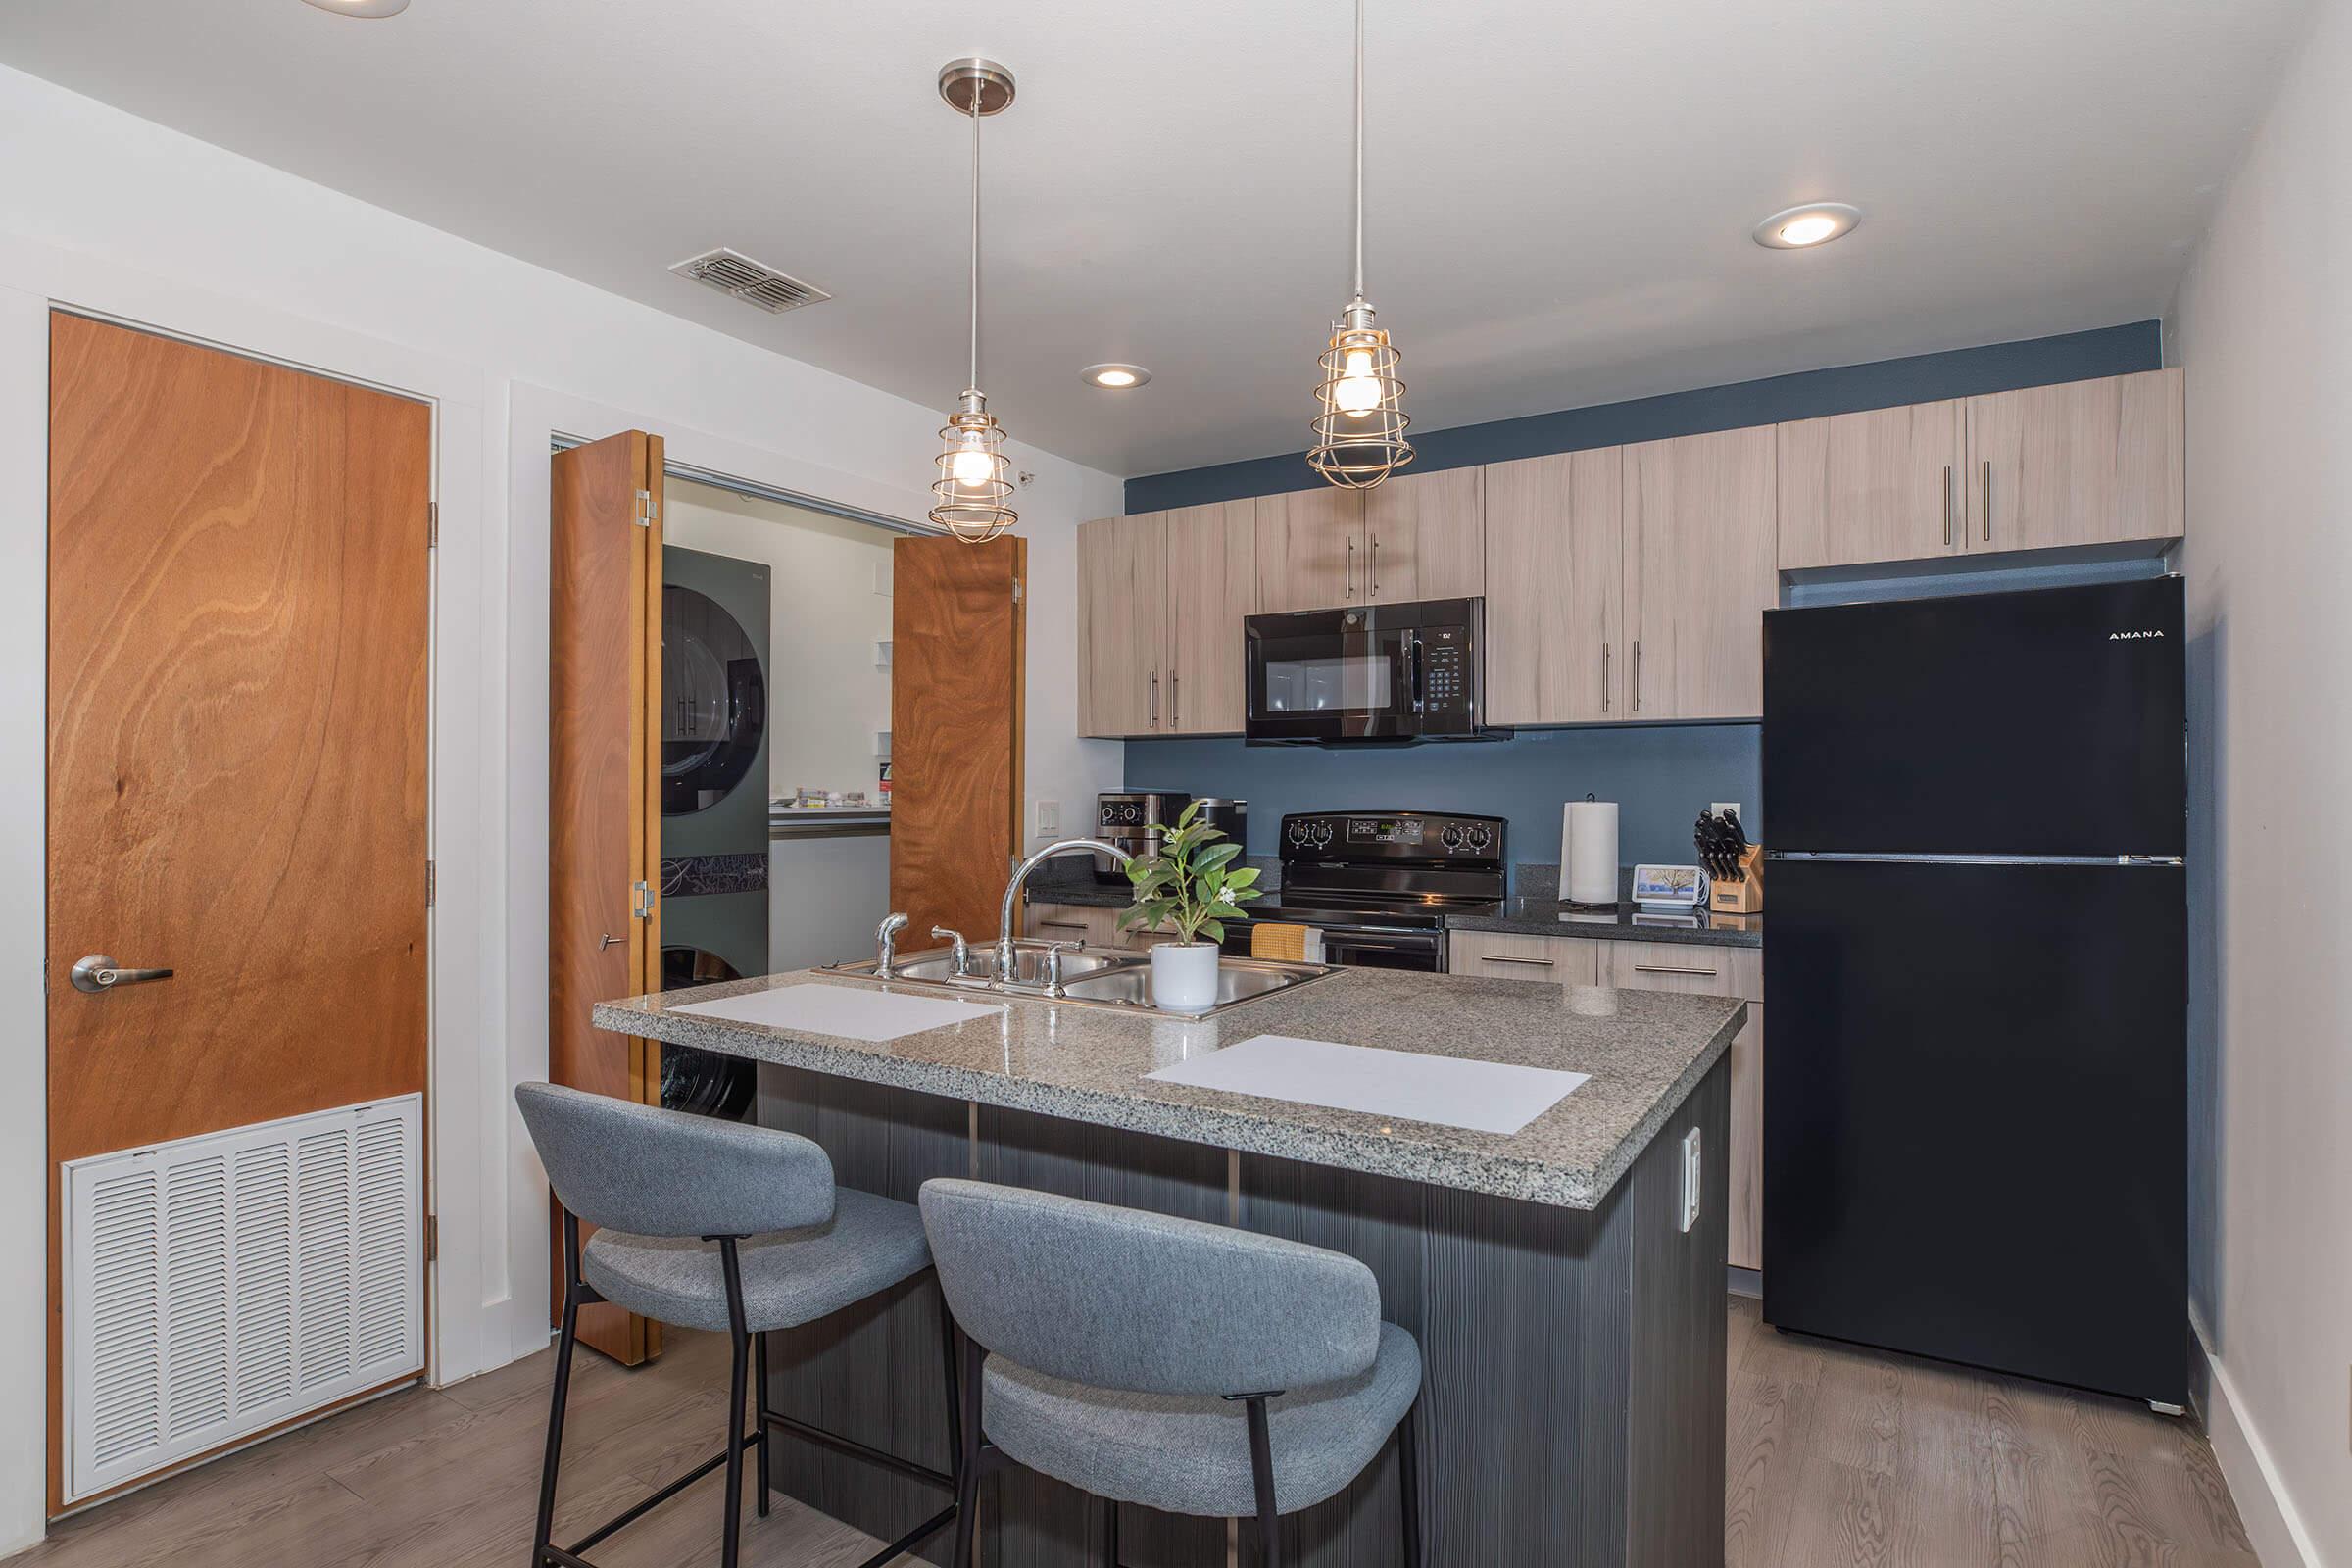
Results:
<point x="973" y="468"/>
<point x="1358" y="390"/>
<point x="1811" y="229"/>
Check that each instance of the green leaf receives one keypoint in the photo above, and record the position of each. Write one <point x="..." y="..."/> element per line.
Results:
<point x="1222" y="855"/>
<point x="1215" y="930"/>
<point x="1245" y="877"/>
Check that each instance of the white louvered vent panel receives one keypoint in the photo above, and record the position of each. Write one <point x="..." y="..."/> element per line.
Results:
<point x="220" y="1285"/>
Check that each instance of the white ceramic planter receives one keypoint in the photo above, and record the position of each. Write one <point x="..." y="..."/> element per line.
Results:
<point x="1184" y="976"/>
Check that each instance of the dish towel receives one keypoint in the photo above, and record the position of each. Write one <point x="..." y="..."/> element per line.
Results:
<point x="1274" y="940"/>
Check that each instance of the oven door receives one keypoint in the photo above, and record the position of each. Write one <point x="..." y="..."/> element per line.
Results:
<point x="1329" y="674"/>
<point x="1361" y="948"/>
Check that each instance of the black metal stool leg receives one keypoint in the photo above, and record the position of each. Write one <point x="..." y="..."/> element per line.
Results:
<point x="1408" y="1486"/>
<point x="967" y="1460"/>
<point x="1262" y="1475"/>
<point x="730" y="1547"/>
<point x="760" y="1407"/>
<point x="565" y="1337"/>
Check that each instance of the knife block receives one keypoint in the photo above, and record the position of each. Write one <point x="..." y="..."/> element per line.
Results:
<point x="1742" y="894"/>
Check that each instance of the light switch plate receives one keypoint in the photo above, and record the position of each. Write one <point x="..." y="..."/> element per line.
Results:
<point x="1049" y="817"/>
<point x="1693" y="1179"/>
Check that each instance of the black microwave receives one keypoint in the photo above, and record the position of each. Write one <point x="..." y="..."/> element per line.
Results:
<point x="1398" y="673"/>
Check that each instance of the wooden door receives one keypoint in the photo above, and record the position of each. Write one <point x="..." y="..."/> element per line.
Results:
<point x="1883" y="485"/>
<point x="239" y="580"/>
<point x="1308" y="545"/>
<point x="1555" y="588"/>
<point x="1425" y="537"/>
<point x="604" y="790"/>
<point x="2085" y="462"/>
<point x="1700" y="573"/>
<point x="959" y="659"/>
<point x="1122" y="628"/>
<point x="1211" y="559"/>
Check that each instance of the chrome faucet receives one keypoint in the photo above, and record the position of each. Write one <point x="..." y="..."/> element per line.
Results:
<point x="964" y="950"/>
<point x="886" y="945"/>
<point x="1013" y="891"/>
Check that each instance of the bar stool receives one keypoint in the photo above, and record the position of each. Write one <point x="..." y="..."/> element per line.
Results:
<point x="714" y="1225"/>
<point x="1191" y="1368"/>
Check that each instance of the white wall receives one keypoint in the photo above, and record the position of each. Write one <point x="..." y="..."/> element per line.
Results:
<point x="103" y="209"/>
<point x="2264" y="326"/>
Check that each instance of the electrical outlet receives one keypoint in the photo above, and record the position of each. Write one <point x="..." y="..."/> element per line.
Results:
<point x="1733" y="807"/>
<point x="1049" y="817"/>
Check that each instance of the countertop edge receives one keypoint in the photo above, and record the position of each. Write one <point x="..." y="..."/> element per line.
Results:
<point x="1495" y="1175"/>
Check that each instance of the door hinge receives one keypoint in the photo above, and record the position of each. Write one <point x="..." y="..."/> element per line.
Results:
<point x="1016" y="590"/>
<point x="432" y="1238"/>
<point x="431" y="884"/>
<point x="432" y="525"/>
<point x="641" y="902"/>
<point x="645" y="508"/>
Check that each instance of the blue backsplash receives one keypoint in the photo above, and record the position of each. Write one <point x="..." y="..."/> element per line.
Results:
<point x="1661" y="776"/>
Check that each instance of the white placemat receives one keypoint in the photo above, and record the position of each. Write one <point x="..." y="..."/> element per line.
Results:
<point x="847" y="1012"/>
<point x="1488" y="1096"/>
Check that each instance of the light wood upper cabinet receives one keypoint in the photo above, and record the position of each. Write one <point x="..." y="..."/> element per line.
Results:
<point x="1555" y="588"/>
<point x="1308" y="548"/>
<point x="1122" y="625"/>
<point x="1424" y="537"/>
<point x="1883" y="485"/>
<point x="2085" y="463"/>
<point x="1700" y="571"/>
<point x="1212" y="585"/>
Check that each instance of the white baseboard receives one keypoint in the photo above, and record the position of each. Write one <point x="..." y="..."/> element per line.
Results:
<point x="2272" y="1526"/>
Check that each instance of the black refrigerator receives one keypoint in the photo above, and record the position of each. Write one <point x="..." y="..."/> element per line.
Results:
<point x="1976" y="1084"/>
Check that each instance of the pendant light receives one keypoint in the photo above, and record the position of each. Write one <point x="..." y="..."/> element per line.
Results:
<point x="1359" y="434"/>
<point x="974" y="487"/>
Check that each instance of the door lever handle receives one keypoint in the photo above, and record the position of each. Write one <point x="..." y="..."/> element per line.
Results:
<point x="98" y="972"/>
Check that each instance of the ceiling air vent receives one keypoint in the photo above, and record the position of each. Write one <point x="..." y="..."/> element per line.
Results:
<point x="753" y="282"/>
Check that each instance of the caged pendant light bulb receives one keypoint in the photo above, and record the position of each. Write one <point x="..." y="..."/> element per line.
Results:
<point x="971" y="497"/>
<point x="1359" y="434"/>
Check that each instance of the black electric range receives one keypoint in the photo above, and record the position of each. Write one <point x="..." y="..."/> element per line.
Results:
<point x="1379" y="885"/>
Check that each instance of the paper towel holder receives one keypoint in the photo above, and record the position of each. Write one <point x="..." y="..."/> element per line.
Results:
<point x="1611" y="891"/>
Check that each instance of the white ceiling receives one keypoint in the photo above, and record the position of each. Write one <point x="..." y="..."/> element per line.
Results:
<point x="1560" y="194"/>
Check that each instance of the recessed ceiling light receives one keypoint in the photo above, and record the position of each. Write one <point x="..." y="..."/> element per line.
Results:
<point x="362" y="8"/>
<point x="1801" y="227"/>
<point x="1117" y="378"/>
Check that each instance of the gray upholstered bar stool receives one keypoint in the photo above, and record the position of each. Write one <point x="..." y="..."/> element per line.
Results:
<point x="1192" y="1368"/>
<point x="714" y="1225"/>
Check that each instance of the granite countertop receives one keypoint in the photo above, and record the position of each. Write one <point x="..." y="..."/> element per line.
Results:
<point x="1549" y="917"/>
<point x="1646" y="1051"/>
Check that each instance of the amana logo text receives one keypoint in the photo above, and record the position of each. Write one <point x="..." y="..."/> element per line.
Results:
<point x="2130" y="636"/>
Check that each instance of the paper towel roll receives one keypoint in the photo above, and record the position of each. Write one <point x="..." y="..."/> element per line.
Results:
<point x="1589" y="852"/>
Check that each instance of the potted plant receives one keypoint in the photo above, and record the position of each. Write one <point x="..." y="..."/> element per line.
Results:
<point x="1193" y="886"/>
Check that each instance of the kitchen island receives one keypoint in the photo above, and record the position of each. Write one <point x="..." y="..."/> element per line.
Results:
<point x="1572" y="1325"/>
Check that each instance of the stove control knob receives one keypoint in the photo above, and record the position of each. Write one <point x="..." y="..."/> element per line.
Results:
<point x="1322" y="834"/>
<point x="1480" y="835"/>
<point x="1452" y="836"/>
<point x="1297" y="833"/>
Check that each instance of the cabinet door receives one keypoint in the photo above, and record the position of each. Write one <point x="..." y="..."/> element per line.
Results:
<point x="1878" y="487"/>
<point x="1074" y="922"/>
<point x="1212" y="585"/>
<point x="2085" y="462"/>
<point x="1307" y="549"/>
<point x="1122" y="625"/>
<point x="1424" y="537"/>
<point x="1511" y="956"/>
<point x="1700" y="571"/>
<point x="1555" y="588"/>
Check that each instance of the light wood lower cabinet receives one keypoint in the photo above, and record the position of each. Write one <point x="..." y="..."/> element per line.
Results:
<point x="1508" y="956"/>
<point x="1094" y="925"/>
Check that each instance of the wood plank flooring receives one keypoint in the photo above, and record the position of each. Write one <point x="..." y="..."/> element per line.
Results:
<point x="1838" y="1458"/>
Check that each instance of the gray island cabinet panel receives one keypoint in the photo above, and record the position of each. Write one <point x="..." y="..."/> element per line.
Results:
<point x="1572" y="1328"/>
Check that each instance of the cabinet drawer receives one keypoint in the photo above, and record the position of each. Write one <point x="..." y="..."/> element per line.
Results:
<point x="1506" y="956"/>
<point x="1681" y="967"/>
<point x="1073" y="922"/>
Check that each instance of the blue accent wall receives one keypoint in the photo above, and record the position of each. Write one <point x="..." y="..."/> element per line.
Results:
<point x="1806" y="395"/>
<point x="1662" y="776"/>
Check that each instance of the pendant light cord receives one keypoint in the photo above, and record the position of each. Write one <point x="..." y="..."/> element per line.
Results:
<point x="974" y="382"/>
<point x="1359" y="149"/>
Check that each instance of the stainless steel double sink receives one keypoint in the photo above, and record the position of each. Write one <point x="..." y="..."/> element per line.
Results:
<point x="1096" y="977"/>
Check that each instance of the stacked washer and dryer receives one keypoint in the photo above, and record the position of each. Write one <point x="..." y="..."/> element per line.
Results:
<point x="714" y="796"/>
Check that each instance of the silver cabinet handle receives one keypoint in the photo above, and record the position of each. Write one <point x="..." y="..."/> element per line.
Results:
<point x="1348" y="573"/>
<point x="1604" y="675"/>
<point x="1375" y="573"/>
<point x="1947" y="506"/>
<point x="1175" y="700"/>
<point x="1669" y="968"/>
<point x="1060" y="925"/>
<point x="1636" y="674"/>
<point x="1504" y="958"/>
<point x="1155" y="698"/>
<point x="1989" y="501"/>
<point x="98" y="972"/>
